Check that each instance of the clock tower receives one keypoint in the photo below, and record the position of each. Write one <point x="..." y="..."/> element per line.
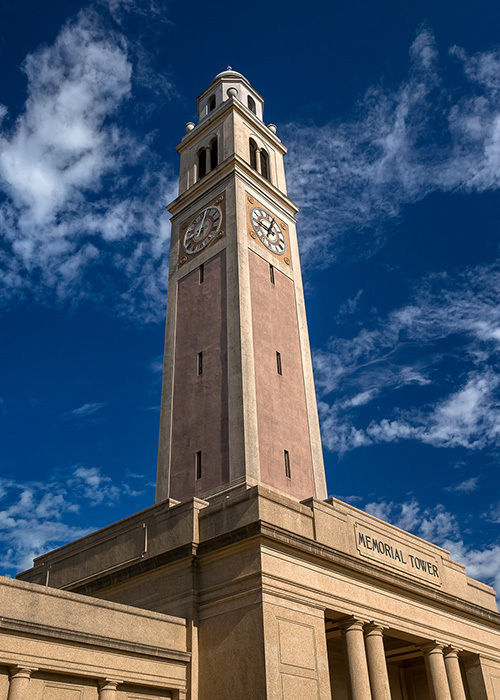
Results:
<point x="238" y="399"/>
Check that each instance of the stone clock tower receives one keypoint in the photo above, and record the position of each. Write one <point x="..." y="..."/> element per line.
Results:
<point x="238" y="400"/>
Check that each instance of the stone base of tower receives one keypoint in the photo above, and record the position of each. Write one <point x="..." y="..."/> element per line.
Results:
<point x="287" y="600"/>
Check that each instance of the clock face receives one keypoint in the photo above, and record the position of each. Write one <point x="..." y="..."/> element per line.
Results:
<point x="201" y="230"/>
<point x="268" y="230"/>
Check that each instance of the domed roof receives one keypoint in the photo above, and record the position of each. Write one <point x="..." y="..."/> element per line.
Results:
<point x="229" y="73"/>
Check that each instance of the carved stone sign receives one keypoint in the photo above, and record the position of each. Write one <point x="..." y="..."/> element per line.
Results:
<point x="396" y="554"/>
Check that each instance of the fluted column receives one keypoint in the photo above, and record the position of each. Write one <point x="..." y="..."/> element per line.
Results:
<point x="20" y="677"/>
<point x="455" y="680"/>
<point x="107" y="689"/>
<point x="377" y="664"/>
<point x="436" y="672"/>
<point x="352" y="632"/>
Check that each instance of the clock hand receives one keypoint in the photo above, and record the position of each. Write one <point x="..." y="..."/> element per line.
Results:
<point x="200" y="228"/>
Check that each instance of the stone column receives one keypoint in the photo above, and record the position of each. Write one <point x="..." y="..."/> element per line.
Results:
<point x="352" y="632"/>
<point x="377" y="665"/>
<point x="436" y="672"/>
<point x="455" y="681"/>
<point x="257" y="161"/>
<point x="107" y="689"/>
<point x="20" y="677"/>
<point x="208" y="160"/>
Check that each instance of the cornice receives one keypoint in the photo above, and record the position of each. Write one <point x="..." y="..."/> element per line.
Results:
<point x="273" y="535"/>
<point x="34" y="629"/>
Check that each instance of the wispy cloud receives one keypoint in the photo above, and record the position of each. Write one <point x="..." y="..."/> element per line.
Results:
<point x="38" y="516"/>
<point x="466" y="486"/>
<point x="399" y="145"/>
<point x="87" y="409"/>
<point x="400" y="349"/>
<point x="80" y="190"/>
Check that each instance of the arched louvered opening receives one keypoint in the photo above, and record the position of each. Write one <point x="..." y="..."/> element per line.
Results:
<point x="251" y="104"/>
<point x="212" y="104"/>
<point x="253" y="154"/>
<point x="214" y="153"/>
<point x="202" y="163"/>
<point x="264" y="165"/>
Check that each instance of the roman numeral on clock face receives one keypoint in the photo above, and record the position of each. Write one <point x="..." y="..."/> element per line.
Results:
<point x="268" y="230"/>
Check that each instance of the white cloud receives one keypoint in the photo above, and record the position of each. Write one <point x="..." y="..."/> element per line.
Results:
<point x="36" y="517"/>
<point x="95" y="486"/>
<point x="399" y="145"/>
<point x="87" y="409"/>
<point x="80" y="191"/>
<point x="466" y="486"/>
<point x="463" y="309"/>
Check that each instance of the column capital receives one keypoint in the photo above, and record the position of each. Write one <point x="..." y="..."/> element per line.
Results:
<point x="22" y="671"/>
<point x="351" y="623"/>
<point x="108" y="683"/>
<point x="451" y="651"/>
<point x="373" y="628"/>
<point x="434" y="647"/>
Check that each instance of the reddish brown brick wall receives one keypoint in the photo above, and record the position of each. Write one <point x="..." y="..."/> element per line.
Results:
<point x="200" y="413"/>
<point x="281" y="404"/>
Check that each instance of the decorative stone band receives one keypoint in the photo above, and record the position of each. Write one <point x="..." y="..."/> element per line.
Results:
<point x="396" y="554"/>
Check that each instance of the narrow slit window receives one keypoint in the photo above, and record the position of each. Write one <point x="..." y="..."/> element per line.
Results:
<point x="202" y="273"/>
<point x="199" y="363"/>
<point x="271" y="273"/>
<point x="198" y="464"/>
<point x="212" y="103"/>
<point x="278" y="363"/>
<point x="251" y="104"/>
<point x="288" y="473"/>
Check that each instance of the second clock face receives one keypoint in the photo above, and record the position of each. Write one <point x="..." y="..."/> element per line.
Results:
<point x="201" y="230"/>
<point x="268" y="230"/>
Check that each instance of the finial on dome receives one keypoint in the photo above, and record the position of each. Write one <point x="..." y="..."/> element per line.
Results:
<point x="229" y="68"/>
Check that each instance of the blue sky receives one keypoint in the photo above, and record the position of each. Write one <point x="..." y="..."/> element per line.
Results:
<point x="391" y="112"/>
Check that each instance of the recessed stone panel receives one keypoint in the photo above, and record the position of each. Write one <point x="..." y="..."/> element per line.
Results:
<point x="297" y="688"/>
<point x="59" y="691"/>
<point x="297" y="645"/>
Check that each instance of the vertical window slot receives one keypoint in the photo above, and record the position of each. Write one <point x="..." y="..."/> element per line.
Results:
<point x="288" y="473"/>
<point x="202" y="273"/>
<point x="198" y="464"/>
<point x="271" y="273"/>
<point x="278" y="363"/>
<point x="199" y="364"/>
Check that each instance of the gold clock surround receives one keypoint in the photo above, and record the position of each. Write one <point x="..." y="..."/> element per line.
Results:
<point x="253" y="202"/>
<point x="220" y="203"/>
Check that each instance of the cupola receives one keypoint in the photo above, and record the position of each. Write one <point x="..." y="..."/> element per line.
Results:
<point x="226" y="85"/>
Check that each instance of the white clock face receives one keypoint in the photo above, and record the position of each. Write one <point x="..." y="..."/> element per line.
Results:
<point x="268" y="230"/>
<point x="202" y="229"/>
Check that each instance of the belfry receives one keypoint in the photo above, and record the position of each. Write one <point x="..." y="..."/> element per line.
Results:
<point x="244" y="580"/>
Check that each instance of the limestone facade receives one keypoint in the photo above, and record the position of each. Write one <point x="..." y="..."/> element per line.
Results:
<point x="286" y="599"/>
<point x="56" y="645"/>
